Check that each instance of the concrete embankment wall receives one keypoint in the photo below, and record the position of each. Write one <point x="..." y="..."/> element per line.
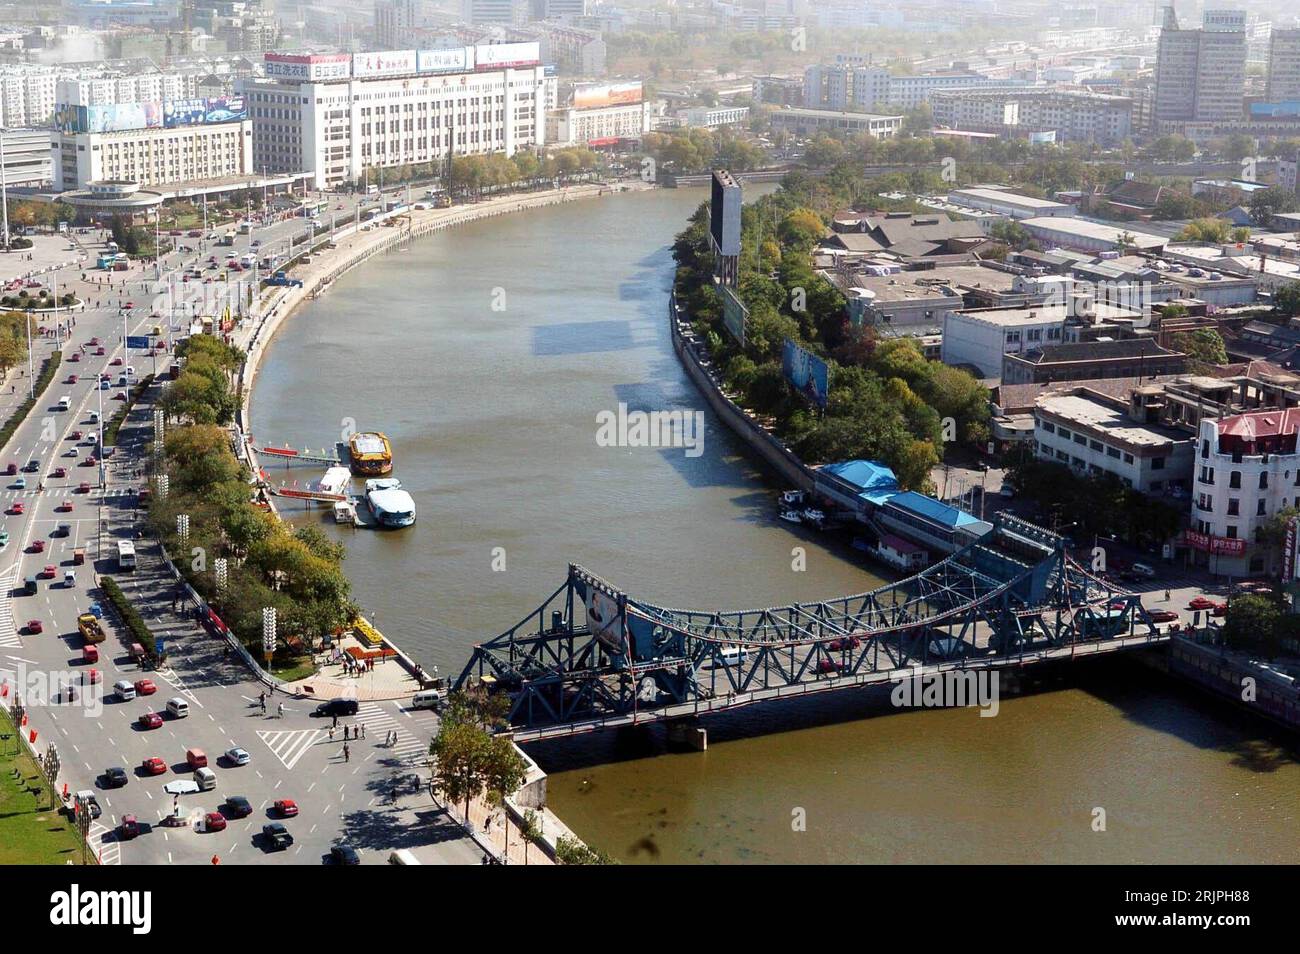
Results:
<point x="782" y="461"/>
<point x="1225" y="675"/>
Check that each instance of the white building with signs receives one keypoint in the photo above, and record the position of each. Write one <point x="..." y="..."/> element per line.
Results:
<point x="600" y="115"/>
<point x="340" y="115"/>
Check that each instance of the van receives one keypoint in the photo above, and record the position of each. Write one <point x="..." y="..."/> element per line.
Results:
<point x="196" y="758"/>
<point x="426" y="699"/>
<point x="1144" y="571"/>
<point x="94" y="417"/>
<point x="65" y="402"/>
<point x="402" y="857"/>
<point x="70" y="579"/>
<point x="372" y="190"/>
<point x="178" y="708"/>
<point x="206" y="779"/>
<point x="29" y="586"/>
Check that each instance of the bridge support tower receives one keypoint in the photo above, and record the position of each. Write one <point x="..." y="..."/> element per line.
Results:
<point x="688" y="733"/>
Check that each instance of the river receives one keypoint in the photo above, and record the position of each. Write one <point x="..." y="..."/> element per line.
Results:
<point x="485" y="353"/>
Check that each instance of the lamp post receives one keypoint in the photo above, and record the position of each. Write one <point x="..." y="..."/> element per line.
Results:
<point x="4" y="187"/>
<point x="268" y="634"/>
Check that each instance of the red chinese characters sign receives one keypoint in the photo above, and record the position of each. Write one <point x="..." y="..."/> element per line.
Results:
<point x="1224" y="546"/>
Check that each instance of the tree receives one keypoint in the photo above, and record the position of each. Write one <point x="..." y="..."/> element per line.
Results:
<point x="1286" y="300"/>
<point x="1253" y="624"/>
<point x="504" y="773"/>
<point x="1269" y="202"/>
<point x="1210" y="231"/>
<point x="570" y="851"/>
<point x="1204" y="347"/>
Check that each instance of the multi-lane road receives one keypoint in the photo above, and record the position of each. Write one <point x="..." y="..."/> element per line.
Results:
<point x="369" y="800"/>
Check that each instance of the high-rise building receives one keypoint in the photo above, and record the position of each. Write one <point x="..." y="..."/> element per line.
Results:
<point x="1283" y="66"/>
<point x="1200" y="74"/>
<point x="395" y="20"/>
<point x="495" y="11"/>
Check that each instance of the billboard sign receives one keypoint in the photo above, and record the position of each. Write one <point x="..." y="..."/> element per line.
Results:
<point x="456" y="60"/>
<point x="1227" y="546"/>
<point x="308" y="67"/>
<point x="1288" y="551"/>
<point x="606" y="619"/>
<point x="806" y="372"/>
<point x="117" y="117"/>
<point x="197" y="112"/>
<point x="499" y="56"/>
<point x="608" y="94"/>
<point x="724" y="213"/>
<point x="386" y="63"/>
<point x="734" y="314"/>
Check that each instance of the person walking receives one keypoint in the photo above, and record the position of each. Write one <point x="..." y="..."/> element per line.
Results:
<point x="331" y="733"/>
<point x="347" y="753"/>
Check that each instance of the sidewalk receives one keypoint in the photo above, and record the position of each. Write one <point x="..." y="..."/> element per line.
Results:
<point x="389" y="679"/>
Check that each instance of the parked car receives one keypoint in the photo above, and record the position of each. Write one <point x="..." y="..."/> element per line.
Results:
<point x="214" y="821"/>
<point x="115" y="777"/>
<point x="285" y="807"/>
<point x="153" y="766"/>
<point x="150" y="720"/>
<point x="276" y="837"/>
<point x="237" y="806"/>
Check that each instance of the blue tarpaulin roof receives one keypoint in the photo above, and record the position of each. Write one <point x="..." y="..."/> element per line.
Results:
<point x="933" y="510"/>
<point x="864" y="474"/>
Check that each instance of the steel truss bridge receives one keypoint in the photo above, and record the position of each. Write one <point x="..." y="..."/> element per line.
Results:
<point x="592" y="657"/>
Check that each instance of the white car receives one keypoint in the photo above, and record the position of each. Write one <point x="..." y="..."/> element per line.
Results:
<point x="125" y="690"/>
<point x="238" y="756"/>
<point x="182" y="786"/>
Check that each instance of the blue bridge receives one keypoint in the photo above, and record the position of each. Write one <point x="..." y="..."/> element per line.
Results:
<point x="593" y="657"/>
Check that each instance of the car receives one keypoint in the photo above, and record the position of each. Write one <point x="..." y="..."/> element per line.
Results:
<point x="75" y="436"/>
<point x="214" y="821"/>
<point x="1163" y="616"/>
<point x="844" y="643"/>
<point x="59" y="472"/>
<point x="129" y="828"/>
<point x="344" y="855"/>
<point x="92" y="460"/>
<point x="35" y="626"/>
<point x="65" y="506"/>
<point x="276" y="836"/>
<point x="130" y="304"/>
<point x="286" y="807"/>
<point x="50" y="571"/>
<point x="94" y="342"/>
<point x="17" y="508"/>
<point x="119" y="396"/>
<point x="115" y="362"/>
<point x="149" y="720"/>
<point x="83" y="487"/>
<point x="4" y="539"/>
<point x="336" y="707"/>
<point x="95" y="677"/>
<point x="182" y="786"/>
<point x="75" y="356"/>
<point x="37" y="546"/>
<point x="32" y="466"/>
<point x="828" y="666"/>
<point x="10" y="469"/>
<point x="238" y="756"/>
<point x="1201" y="603"/>
<point x="153" y="766"/>
<point x="20" y="484"/>
<point x="237" y="806"/>
<point x="72" y="379"/>
<point x="125" y="690"/>
<point x="1219" y="609"/>
<point x="115" y="777"/>
<point x="145" y="687"/>
<point x="87" y="797"/>
<point x="99" y="353"/>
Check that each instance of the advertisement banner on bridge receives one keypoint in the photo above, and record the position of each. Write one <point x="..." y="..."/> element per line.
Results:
<point x="604" y="616"/>
<point x="806" y="372"/>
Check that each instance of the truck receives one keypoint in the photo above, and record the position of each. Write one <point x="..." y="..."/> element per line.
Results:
<point x="91" y="629"/>
<point x="280" y="278"/>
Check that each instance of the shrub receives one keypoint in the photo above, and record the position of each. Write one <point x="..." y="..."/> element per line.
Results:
<point x="131" y="619"/>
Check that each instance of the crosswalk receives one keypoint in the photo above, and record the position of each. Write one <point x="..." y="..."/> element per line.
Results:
<point x="9" y="638"/>
<point x="290" y="745"/>
<point x="408" y="750"/>
<point x="9" y="493"/>
<point x="108" y="852"/>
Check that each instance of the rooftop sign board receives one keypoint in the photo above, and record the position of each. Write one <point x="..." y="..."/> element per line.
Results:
<point x="308" y="67"/>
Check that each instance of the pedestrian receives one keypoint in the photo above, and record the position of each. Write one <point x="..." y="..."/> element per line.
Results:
<point x="280" y="711"/>
<point x="336" y="723"/>
<point x="331" y="733"/>
<point x="363" y="730"/>
<point x="1166" y="596"/>
<point x="347" y="753"/>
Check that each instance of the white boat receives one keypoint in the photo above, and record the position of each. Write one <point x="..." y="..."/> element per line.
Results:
<point x="814" y="516"/>
<point x="334" y="481"/>
<point x="389" y="503"/>
<point x="345" y="511"/>
<point x="792" y="498"/>
<point x="791" y="516"/>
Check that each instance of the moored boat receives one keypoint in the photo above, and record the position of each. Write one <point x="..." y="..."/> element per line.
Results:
<point x="371" y="453"/>
<point x="389" y="504"/>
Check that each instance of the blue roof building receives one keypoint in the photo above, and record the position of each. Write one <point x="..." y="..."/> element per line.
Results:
<point x="857" y="484"/>
<point x="931" y="522"/>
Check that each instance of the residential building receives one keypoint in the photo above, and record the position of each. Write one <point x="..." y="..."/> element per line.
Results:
<point x="27" y="157"/>
<point x="1283" y="66"/>
<point x="979" y="339"/>
<point x="395" y="22"/>
<point x="1035" y="112"/>
<point x="1248" y="470"/>
<point x="478" y="12"/>
<point x="1083" y="360"/>
<point x="806" y="122"/>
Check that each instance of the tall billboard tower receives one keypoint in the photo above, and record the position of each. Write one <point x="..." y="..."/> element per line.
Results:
<point x="724" y="227"/>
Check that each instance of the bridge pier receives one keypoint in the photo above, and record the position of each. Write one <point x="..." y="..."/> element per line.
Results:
<point x="688" y="733"/>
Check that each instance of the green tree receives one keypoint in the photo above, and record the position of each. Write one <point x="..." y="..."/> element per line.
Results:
<point x="1204" y="347"/>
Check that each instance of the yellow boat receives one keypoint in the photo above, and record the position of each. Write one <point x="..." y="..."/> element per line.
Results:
<point x="371" y="453"/>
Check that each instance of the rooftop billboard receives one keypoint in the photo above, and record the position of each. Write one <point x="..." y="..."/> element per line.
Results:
<point x="386" y="63"/>
<point x="456" y="60"/>
<point x="806" y="372"/>
<point x="308" y="67"/>
<point x="608" y="94"/>
<point x="499" y="56"/>
<point x="200" y="112"/>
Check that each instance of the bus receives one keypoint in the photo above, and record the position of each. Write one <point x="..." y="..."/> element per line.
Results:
<point x="125" y="555"/>
<point x="228" y="239"/>
<point x="245" y="228"/>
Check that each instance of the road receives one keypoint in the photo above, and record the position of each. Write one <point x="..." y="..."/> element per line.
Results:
<point x="369" y="800"/>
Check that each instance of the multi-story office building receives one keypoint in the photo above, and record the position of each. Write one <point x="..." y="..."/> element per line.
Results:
<point x="153" y="155"/>
<point x="806" y="122"/>
<point x="1283" y="66"/>
<point x="847" y="85"/>
<point x="1200" y="74"/>
<point x="394" y="21"/>
<point x="1072" y="116"/>
<point x="340" y="115"/>
<point x="495" y="11"/>
<point x="27" y="157"/>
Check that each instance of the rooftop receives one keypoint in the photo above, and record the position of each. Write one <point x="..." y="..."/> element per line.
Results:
<point x="1099" y="415"/>
<point x="992" y="194"/>
<point x="933" y="510"/>
<point x="1070" y="225"/>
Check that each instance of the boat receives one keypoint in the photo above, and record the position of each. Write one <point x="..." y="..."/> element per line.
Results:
<point x="334" y="481"/>
<point x="814" y="516"/>
<point x="371" y="453"/>
<point x="390" y="505"/>
<point x="792" y="498"/>
<point x="791" y="516"/>
<point x="345" y="511"/>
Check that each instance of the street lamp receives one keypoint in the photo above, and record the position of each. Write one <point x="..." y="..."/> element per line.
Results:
<point x="268" y="633"/>
<point x="183" y="527"/>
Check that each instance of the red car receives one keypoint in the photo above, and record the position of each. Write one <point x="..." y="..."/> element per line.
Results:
<point x="150" y="720"/>
<point x="844" y="642"/>
<point x="11" y="469"/>
<point x="65" y="507"/>
<point x="75" y="436"/>
<point x="94" y="342"/>
<point x="129" y="828"/>
<point x="1163" y="616"/>
<point x="72" y="379"/>
<point x="34" y="626"/>
<point x="95" y="677"/>
<point x="153" y="766"/>
<point x="826" y="666"/>
<point x="99" y="352"/>
<point x="17" y="508"/>
<point x="59" y="472"/>
<point x="130" y="304"/>
<point x="1220" y="609"/>
<point x="92" y="460"/>
<point x="75" y="356"/>
<point x="83" y="488"/>
<point x="214" y="821"/>
<point x="1201" y="603"/>
<point x="145" y="687"/>
<point x="115" y="362"/>
<point x="50" y="571"/>
<point x="286" y="807"/>
<point x="38" y="546"/>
